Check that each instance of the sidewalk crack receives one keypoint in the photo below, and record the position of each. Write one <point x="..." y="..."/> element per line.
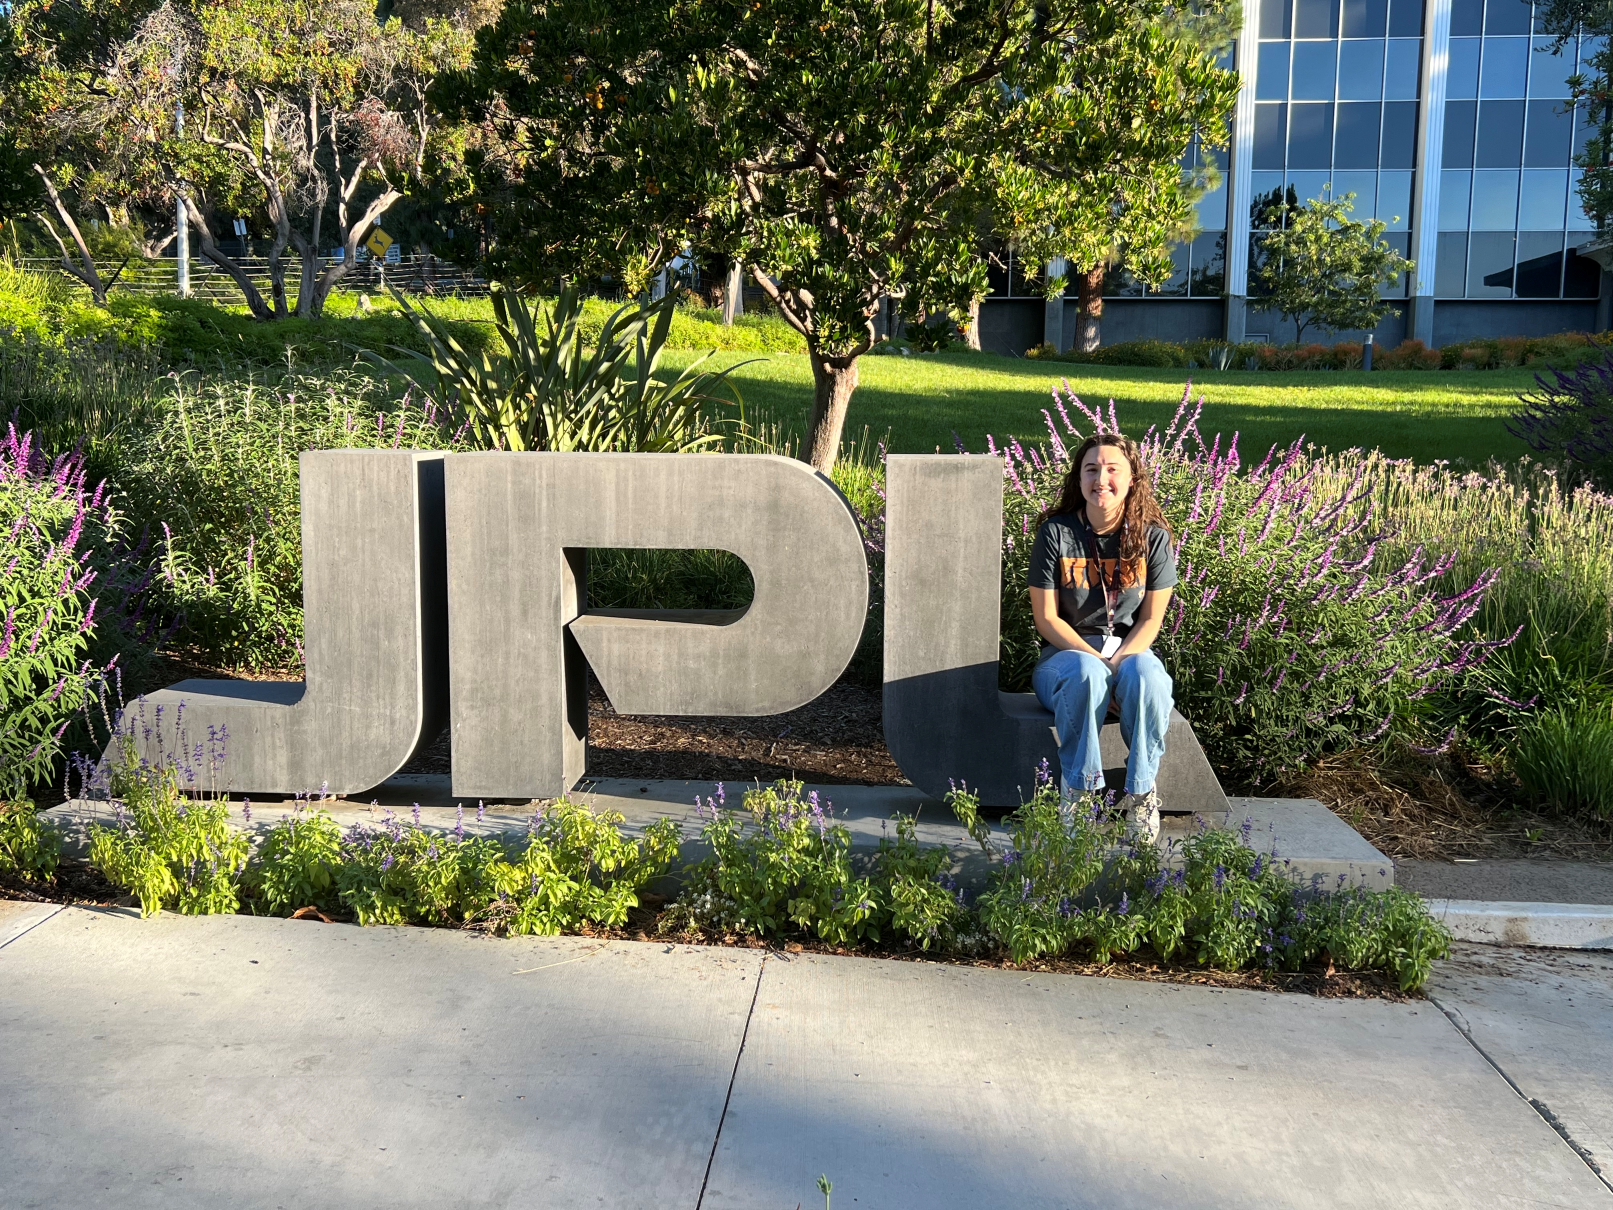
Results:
<point x="1456" y="1018"/>
<point x="47" y="916"/>
<point x="732" y="1077"/>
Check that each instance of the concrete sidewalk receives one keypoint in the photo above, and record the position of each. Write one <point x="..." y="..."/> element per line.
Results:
<point x="249" y="1062"/>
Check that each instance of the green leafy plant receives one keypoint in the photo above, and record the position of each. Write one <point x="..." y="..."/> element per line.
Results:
<point x="166" y="849"/>
<point x="29" y="845"/>
<point x="296" y="863"/>
<point x="546" y="391"/>
<point x="1564" y="760"/>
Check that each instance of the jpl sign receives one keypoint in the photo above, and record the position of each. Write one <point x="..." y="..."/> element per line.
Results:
<point x="452" y="589"/>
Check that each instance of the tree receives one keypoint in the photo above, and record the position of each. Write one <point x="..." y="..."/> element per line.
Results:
<point x="844" y="153"/>
<point x="1591" y="90"/>
<point x="1322" y="267"/>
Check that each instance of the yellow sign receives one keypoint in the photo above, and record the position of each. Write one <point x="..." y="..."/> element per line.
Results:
<point x="378" y="242"/>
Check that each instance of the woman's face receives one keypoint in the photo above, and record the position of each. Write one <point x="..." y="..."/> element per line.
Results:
<point x="1105" y="477"/>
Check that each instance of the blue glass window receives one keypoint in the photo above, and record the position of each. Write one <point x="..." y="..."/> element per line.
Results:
<point x="1543" y="204"/>
<point x="1356" y="138"/>
<point x="1275" y="19"/>
<point x="1490" y="259"/>
<point x="1399" y="135"/>
<point x="1271" y="136"/>
<point x="1540" y="264"/>
<point x="1313" y="70"/>
<point x="1406" y="19"/>
<point x="1462" y="69"/>
<point x="1306" y="187"/>
<point x="1208" y="275"/>
<point x="1310" y="135"/>
<point x="1402" y="284"/>
<point x="1271" y="81"/>
<point x="1577" y="218"/>
<point x="1316" y="18"/>
<point x="1175" y="286"/>
<point x="1365" y="187"/>
<point x="1361" y="70"/>
<point x="1495" y="200"/>
<point x="1505" y="67"/>
<point x="1404" y="66"/>
<point x="1467" y="18"/>
<point x="1454" y="188"/>
<point x="1500" y="142"/>
<point x="1450" y="265"/>
<point x="1582" y="130"/>
<point x="1550" y="138"/>
<point x="1460" y="118"/>
<point x="1548" y="72"/>
<point x="1212" y="208"/>
<point x="1394" y="200"/>
<point x="1582" y="277"/>
<point x="1365" y="18"/>
<point x="1506" y="16"/>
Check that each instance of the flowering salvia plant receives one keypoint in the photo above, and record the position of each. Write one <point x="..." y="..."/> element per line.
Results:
<point x="1293" y="632"/>
<point x="70" y="595"/>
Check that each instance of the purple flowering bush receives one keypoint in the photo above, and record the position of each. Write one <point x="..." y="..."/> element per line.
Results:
<point x="1570" y="416"/>
<point x="1293" y="631"/>
<point x="70" y="596"/>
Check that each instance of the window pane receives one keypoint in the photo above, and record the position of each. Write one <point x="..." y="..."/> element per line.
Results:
<point x="1582" y="277"/>
<point x="1119" y="283"/>
<point x="1406" y="19"/>
<point x="1489" y="265"/>
<point x="1405" y="62"/>
<point x="1495" y="201"/>
<point x="1270" y="136"/>
<point x="1361" y="70"/>
<point x="1506" y="62"/>
<point x="1450" y="266"/>
<point x="1265" y="193"/>
<point x="1394" y="200"/>
<point x="1316" y="18"/>
<point x="1453" y="195"/>
<point x="1462" y="72"/>
<point x="1356" y="142"/>
<point x="1274" y="19"/>
<point x="1550" y="137"/>
<point x="1500" y="142"/>
<point x="1402" y="283"/>
<point x="1313" y="70"/>
<point x="1548" y="73"/>
<point x="1176" y="284"/>
<point x="1577" y="218"/>
<point x="1365" y="18"/>
<point x="1506" y="16"/>
<point x="1460" y="117"/>
<point x="1271" y="80"/>
<point x="1582" y="130"/>
<point x="1209" y="264"/>
<point x="1540" y="264"/>
<point x="1310" y="136"/>
<point x="1212" y="208"/>
<point x="1399" y="148"/>
<point x="1467" y="18"/>
<point x="1543" y="203"/>
<point x="1308" y="186"/>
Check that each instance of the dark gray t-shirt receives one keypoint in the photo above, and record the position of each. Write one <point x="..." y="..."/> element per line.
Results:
<point x="1062" y="559"/>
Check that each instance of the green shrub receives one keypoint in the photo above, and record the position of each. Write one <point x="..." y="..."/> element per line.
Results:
<point x="29" y="845"/>
<point x="1566" y="349"/>
<point x="296" y="863"/>
<point x="1564" y="760"/>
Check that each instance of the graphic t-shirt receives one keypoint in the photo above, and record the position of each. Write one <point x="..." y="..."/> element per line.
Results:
<point x="1063" y="558"/>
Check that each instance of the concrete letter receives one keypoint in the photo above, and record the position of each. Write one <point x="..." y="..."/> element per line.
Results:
<point x="375" y="647"/>
<point x="522" y="638"/>
<point x="944" y="715"/>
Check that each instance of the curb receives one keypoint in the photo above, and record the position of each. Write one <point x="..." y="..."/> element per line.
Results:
<point x="1584" y="926"/>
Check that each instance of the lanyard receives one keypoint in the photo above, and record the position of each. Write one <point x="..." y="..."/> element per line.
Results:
<point x="1111" y="593"/>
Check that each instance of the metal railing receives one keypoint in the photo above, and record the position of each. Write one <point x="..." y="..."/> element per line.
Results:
<point x="412" y="274"/>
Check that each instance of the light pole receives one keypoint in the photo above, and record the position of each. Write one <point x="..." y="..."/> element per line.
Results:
<point x="182" y="235"/>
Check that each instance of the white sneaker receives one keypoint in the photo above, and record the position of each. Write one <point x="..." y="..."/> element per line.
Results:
<point x="1141" y="812"/>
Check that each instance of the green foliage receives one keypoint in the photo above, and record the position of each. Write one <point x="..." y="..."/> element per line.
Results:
<point x="1564" y="760"/>
<point x="29" y="845"/>
<point x="168" y="850"/>
<point x="1069" y="881"/>
<point x="1322" y="267"/>
<point x="215" y="476"/>
<point x="545" y="392"/>
<point x="668" y="579"/>
<point x="296" y="863"/>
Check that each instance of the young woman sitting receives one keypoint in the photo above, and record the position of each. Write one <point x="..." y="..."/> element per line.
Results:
<point x="1101" y="574"/>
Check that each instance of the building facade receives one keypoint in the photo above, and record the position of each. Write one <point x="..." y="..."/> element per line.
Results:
<point x="1448" y="119"/>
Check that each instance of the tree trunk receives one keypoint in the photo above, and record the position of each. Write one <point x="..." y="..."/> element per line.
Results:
<point x="834" y="379"/>
<point x="733" y="294"/>
<point x="972" y="334"/>
<point x="254" y="300"/>
<point x="1089" y="331"/>
<point x="84" y="270"/>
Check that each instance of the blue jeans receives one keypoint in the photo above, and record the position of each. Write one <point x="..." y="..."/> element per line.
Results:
<point x="1076" y="687"/>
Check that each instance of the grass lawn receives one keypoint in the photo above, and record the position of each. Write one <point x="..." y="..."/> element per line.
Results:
<point x="922" y="400"/>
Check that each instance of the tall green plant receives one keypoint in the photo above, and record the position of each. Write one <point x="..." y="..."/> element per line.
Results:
<point x="546" y="391"/>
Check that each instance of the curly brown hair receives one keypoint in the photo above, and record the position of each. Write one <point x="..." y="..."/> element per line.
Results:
<point x="1142" y="510"/>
